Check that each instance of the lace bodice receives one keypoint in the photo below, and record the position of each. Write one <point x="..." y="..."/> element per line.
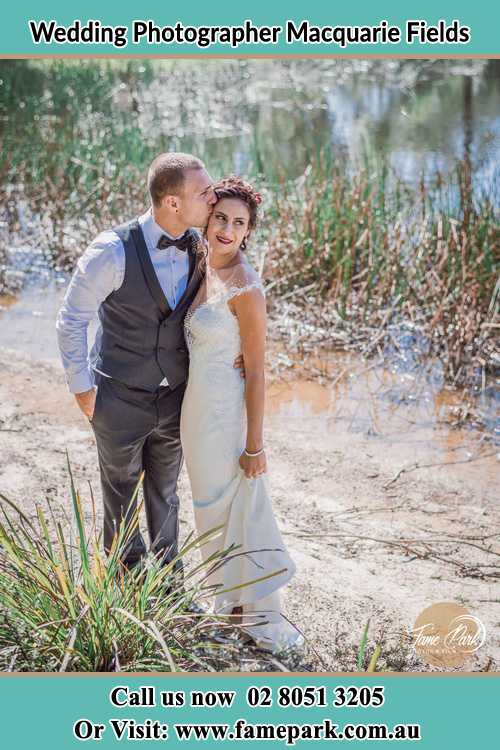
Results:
<point x="211" y="329"/>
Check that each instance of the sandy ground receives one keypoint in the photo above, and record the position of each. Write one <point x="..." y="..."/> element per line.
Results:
<point x="342" y="516"/>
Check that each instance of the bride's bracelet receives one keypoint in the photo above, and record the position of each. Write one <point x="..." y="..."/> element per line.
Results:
<point x="253" y="455"/>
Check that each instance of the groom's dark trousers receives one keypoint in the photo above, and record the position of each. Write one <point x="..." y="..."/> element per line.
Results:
<point x="136" y="431"/>
<point x="136" y="420"/>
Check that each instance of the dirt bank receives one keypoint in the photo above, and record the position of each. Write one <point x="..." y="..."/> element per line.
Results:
<point x="352" y="519"/>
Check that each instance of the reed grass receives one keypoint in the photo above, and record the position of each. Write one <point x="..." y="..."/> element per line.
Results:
<point x="362" y="655"/>
<point x="373" y="253"/>
<point x="65" y="606"/>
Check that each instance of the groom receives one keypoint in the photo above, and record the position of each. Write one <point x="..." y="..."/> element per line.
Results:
<point x="139" y="278"/>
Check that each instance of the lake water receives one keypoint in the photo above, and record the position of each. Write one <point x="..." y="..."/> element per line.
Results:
<point x="275" y="116"/>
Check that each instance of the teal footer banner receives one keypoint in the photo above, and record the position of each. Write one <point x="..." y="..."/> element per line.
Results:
<point x="433" y="712"/>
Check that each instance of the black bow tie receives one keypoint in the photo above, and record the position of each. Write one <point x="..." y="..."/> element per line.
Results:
<point x="181" y="243"/>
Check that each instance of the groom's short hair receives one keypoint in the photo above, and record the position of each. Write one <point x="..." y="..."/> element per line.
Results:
<point x="167" y="174"/>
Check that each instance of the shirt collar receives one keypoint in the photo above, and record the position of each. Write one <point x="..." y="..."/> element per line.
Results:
<point x="152" y="231"/>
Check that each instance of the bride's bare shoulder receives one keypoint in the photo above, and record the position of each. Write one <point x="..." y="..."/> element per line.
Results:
<point x="242" y="275"/>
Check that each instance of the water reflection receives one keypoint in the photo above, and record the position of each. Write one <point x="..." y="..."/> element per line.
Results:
<point x="360" y="409"/>
<point x="272" y="117"/>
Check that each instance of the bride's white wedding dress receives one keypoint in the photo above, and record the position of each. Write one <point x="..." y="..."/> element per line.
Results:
<point x="213" y="434"/>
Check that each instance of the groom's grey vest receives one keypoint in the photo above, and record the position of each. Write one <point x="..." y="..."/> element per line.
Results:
<point x="142" y="337"/>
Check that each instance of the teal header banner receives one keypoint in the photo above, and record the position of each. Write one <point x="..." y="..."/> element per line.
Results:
<point x="229" y="710"/>
<point x="226" y="28"/>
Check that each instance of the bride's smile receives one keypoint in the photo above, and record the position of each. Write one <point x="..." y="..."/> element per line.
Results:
<point x="227" y="229"/>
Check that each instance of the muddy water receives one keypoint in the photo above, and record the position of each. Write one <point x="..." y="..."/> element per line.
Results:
<point x="376" y="403"/>
<point x="360" y="409"/>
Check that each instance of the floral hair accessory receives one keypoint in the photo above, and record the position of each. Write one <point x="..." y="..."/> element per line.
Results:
<point x="258" y="198"/>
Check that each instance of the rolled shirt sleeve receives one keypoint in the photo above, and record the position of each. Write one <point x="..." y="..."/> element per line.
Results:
<point x="99" y="272"/>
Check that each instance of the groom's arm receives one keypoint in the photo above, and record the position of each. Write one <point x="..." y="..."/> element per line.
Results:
<point x="99" y="271"/>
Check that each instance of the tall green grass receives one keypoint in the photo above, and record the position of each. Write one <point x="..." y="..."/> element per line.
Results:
<point x="373" y="251"/>
<point x="65" y="606"/>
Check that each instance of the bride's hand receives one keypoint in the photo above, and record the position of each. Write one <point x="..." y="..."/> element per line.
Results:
<point x="253" y="466"/>
<point x="239" y="364"/>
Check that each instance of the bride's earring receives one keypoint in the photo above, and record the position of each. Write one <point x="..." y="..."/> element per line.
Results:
<point x="243" y="245"/>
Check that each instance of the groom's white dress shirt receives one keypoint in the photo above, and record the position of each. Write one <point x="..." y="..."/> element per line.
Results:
<point x="100" y="271"/>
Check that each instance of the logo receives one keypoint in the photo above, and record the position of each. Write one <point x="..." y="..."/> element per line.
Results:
<point x="445" y="634"/>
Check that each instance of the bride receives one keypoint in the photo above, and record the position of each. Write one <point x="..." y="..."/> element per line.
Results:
<point x="222" y="426"/>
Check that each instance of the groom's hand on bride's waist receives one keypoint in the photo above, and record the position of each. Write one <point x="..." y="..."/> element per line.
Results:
<point x="239" y="364"/>
<point x="86" y="402"/>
